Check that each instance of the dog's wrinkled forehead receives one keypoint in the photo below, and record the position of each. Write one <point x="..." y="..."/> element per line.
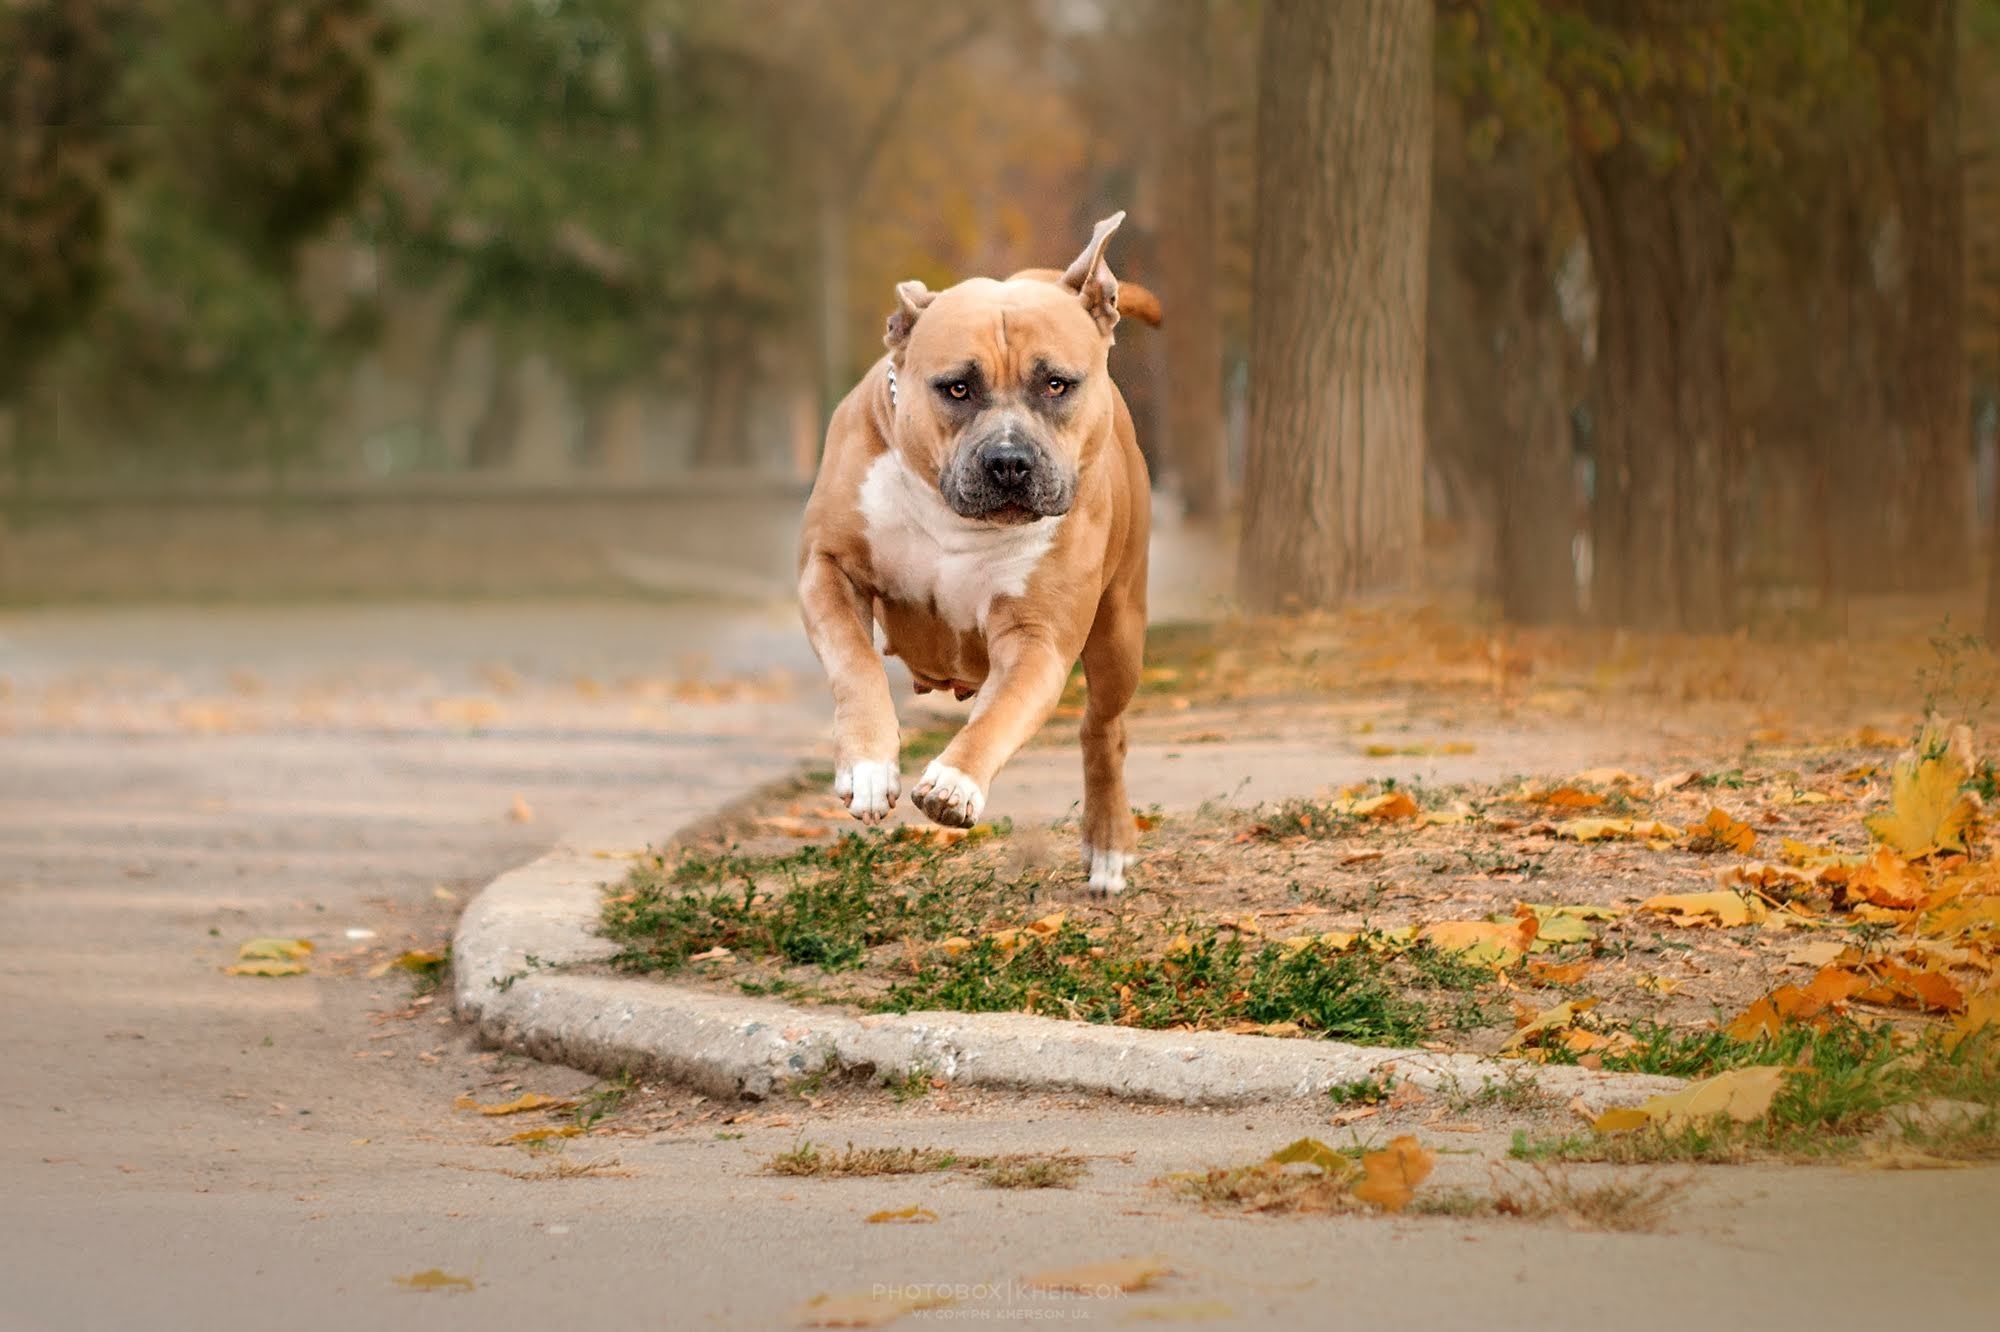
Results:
<point x="1008" y="329"/>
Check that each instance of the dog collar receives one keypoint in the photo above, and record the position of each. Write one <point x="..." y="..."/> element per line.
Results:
<point x="892" y="386"/>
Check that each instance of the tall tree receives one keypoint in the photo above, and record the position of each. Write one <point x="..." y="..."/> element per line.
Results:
<point x="1642" y="109"/>
<point x="1333" y="492"/>
<point x="1502" y="364"/>
<point x="1917" y="63"/>
<point x="1187" y="225"/>
<point x="59" y="76"/>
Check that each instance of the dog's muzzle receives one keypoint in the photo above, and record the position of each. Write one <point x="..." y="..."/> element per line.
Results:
<point x="1005" y="478"/>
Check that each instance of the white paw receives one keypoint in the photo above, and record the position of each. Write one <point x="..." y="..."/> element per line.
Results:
<point x="949" y="796"/>
<point x="1107" y="868"/>
<point x="869" y="788"/>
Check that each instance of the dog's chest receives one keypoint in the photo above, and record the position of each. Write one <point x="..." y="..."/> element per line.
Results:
<point x="925" y="555"/>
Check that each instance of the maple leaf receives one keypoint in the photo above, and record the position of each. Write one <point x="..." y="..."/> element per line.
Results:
<point x="1816" y="1003"/>
<point x="1928" y="809"/>
<point x="1548" y="1021"/>
<point x="1091" y="1278"/>
<point x="525" y="1101"/>
<point x="1888" y="880"/>
<point x="1559" y="973"/>
<point x="1312" y="1152"/>
<point x="434" y="1278"/>
<point x="1605" y="830"/>
<point x="1390" y="1176"/>
<point x="1742" y="1094"/>
<point x="1486" y="942"/>
<point x="1720" y="832"/>
<point x="1718" y="908"/>
<point x="1386" y="807"/>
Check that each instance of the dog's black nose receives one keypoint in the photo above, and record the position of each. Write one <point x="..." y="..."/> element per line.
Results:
<point x="1008" y="464"/>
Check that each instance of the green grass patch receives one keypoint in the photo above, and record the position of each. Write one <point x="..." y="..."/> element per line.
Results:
<point x="827" y="907"/>
<point x="1857" y="1090"/>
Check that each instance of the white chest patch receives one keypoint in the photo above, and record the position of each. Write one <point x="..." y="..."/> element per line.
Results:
<point x="927" y="555"/>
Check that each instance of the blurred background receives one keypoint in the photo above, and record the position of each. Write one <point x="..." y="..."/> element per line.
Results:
<point x="1670" y="314"/>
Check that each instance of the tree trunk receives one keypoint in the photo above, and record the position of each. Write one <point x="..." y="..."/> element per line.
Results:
<point x="1658" y="230"/>
<point x="1193" y="331"/>
<point x="1917" y="44"/>
<point x="1499" y="377"/>
<point x="722" y="435"/>
<point x="1333" y="491"/>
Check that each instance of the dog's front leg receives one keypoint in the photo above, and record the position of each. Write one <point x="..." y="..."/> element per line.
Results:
<point x="1020" y="692"/>
<point x="839" y="620"/>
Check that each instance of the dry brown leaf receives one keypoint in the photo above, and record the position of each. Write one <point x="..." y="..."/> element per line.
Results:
<point x="1389" y="806"/>
<point x="1123" y="1274"/>
<point x="1720" y="832"/>
<point x="876" y="1309"/>
<point x="1606" y="830"/>
<point x="1548" y="1021"/>
<point x="525" y="1101"/>
<point x="1559" y="973"/>
<point x="1494" y="943"/>
<point x="1742" y="1094"/>
<point x="1928" y="811"/>
<point x="1888" y="880"/>
<point x="1569" y="797"/>
<point x="266" y="967"/>
<point x="1390" y="1177"/>
<point x="527" y="1137"/>
<point x="1717" y="908"/>
<point x="274" y="949"/>
<point x="434" y="1278"/>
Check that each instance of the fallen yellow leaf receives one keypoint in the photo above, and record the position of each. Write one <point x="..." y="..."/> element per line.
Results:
<point x="1386" y="807"/>
<point x="278" y="949"/>
<point x="1548" y="1020"/>
<point x="525" y="1101"/>
<point x="1485" y="942"/>
<point x="1928" y="811"/>
<point x="872" y="1309"/>
<point x="1742" y="1094"/>
<point x="912" y="1213"/>
<point x="1604" y="830"/>
<point x="1717" y="908"/>
<point x="1312" y="1152"/>
<point x="266" y="967"/>
<point x="534" y="1135"/>
<point x="1098" y="1278"/>
<point x="434" y="1278"/>
<point x="1720" y="832"/>
<point x="1888" y="880"/>
<point x="1390" y="1176"/>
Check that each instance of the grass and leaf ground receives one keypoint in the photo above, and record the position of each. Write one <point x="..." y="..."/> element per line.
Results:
<point x="1823" y="905"/>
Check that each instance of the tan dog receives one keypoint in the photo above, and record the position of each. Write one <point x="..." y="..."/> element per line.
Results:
<point x="983" y="501"/>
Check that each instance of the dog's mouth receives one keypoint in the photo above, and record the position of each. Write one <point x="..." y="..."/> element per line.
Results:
<point x="1040" y="490"/>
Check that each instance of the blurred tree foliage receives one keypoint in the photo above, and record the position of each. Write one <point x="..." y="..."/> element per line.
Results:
<point x="594" y="180"/>
<point x="1715" y="282"/>
<point x="60" y="66"/>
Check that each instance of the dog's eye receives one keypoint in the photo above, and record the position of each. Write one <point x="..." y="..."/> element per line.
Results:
<point x="1056" y="386"/>
<point x="958" y="390"/>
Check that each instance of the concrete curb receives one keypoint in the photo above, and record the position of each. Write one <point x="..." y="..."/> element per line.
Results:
<point x="533" y="920"/>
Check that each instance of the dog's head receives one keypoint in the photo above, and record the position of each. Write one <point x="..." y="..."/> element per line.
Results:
<point x="1002" y="386"/>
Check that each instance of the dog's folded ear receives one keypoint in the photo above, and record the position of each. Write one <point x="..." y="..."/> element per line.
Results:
<point x="912" y="299"/>
<point x="1090" y="276"/>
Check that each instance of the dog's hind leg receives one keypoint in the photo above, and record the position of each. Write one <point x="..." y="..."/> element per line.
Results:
<point x="1112" y="658"/>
